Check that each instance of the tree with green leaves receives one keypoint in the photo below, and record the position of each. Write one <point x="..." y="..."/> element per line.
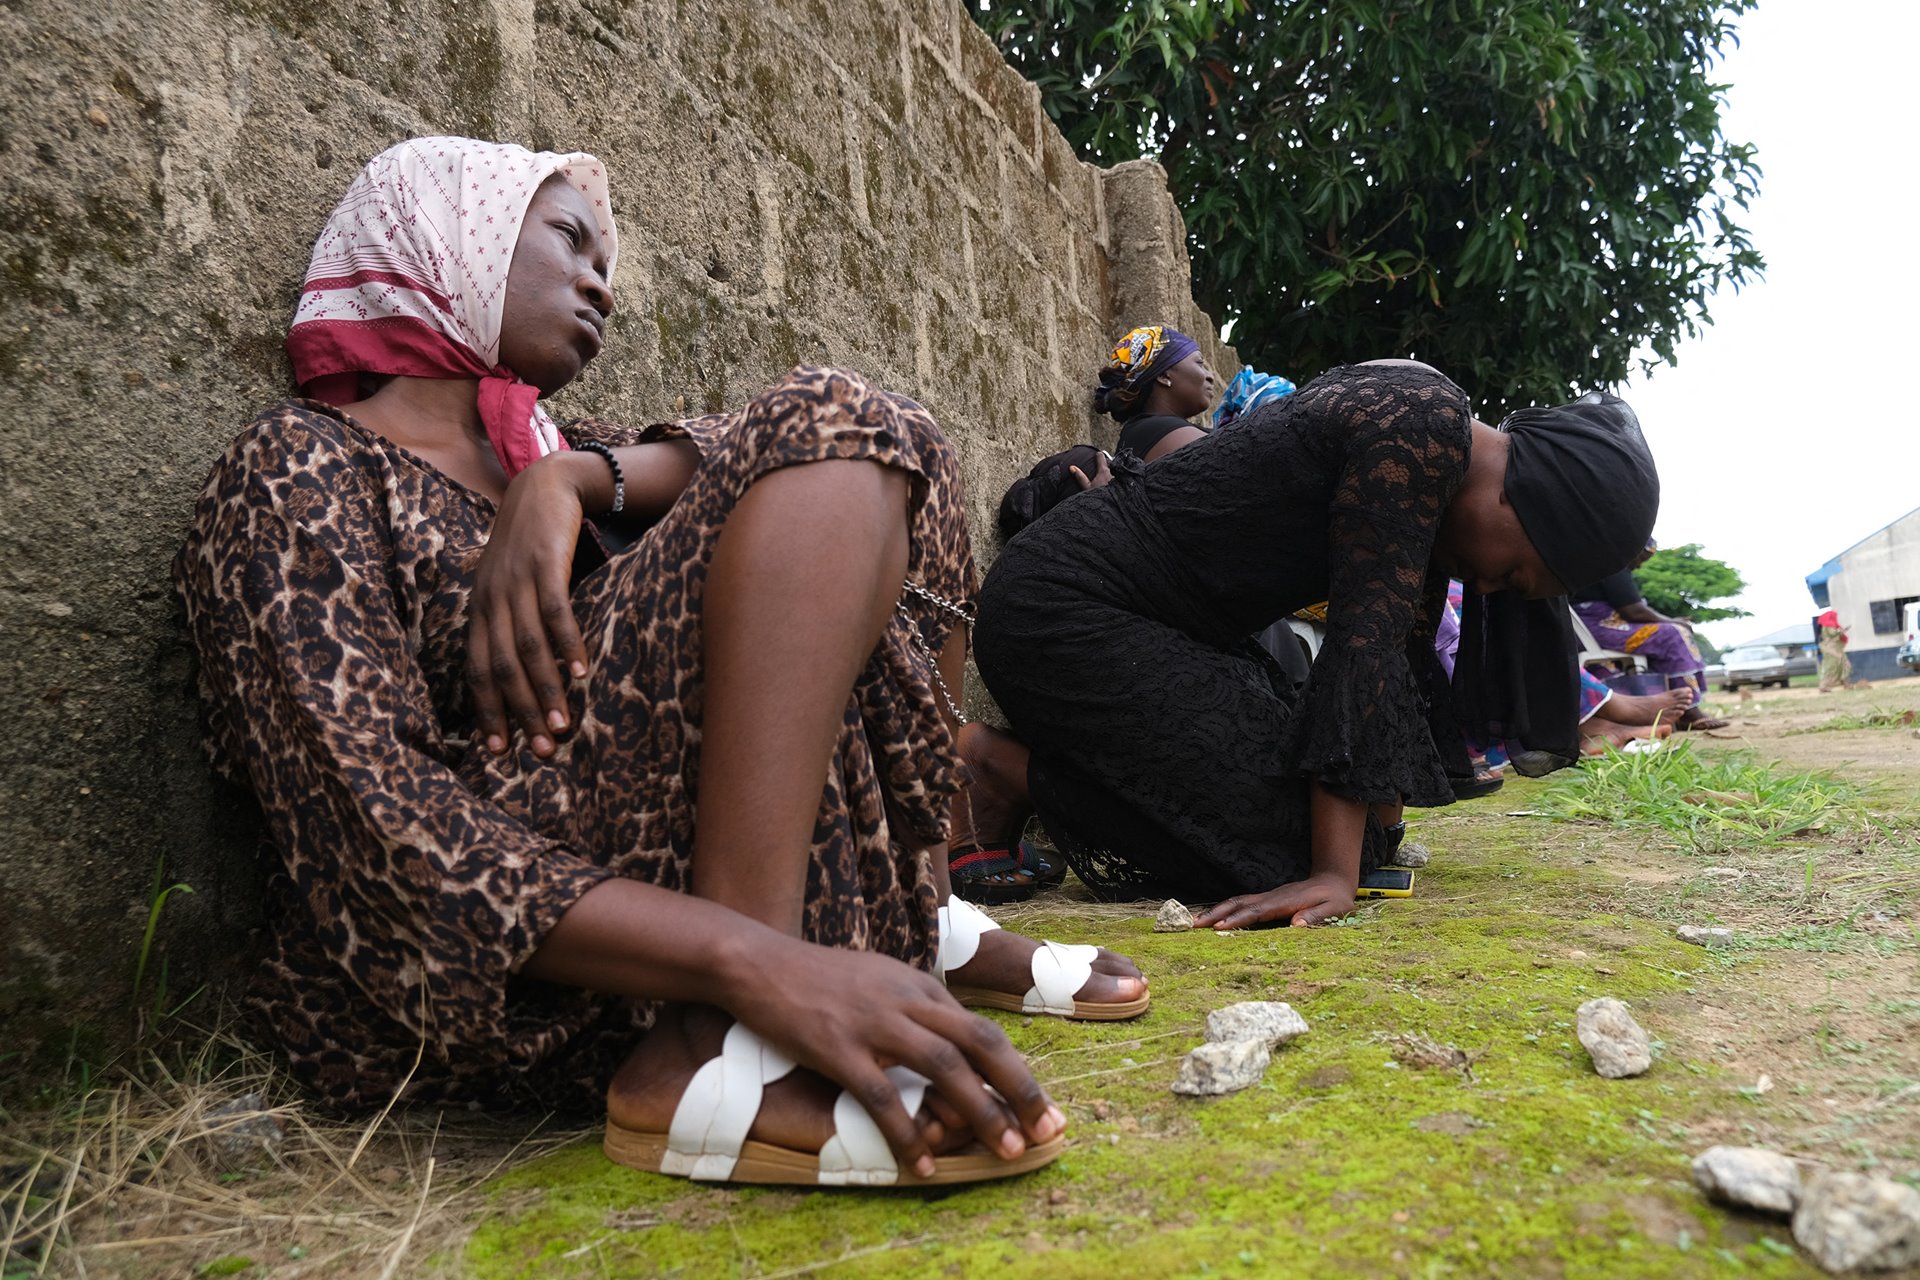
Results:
<point x="1528" y="194"/>
<point x="1679" y="582"/>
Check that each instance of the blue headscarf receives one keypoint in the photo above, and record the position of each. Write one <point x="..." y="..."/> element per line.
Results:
<point x="1247" y="392"/>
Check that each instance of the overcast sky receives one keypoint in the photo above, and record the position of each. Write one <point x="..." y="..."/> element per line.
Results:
<point x="1785" y="433"/>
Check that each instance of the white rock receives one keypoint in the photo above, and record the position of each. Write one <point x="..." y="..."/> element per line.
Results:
<point x="1173" y="918"/>
<point x="1222" y="1068"/>
<point x="1702" y="936"/>
<point x="1412" y="854"/>
<point x="1850" y="1222"/>
<point x="1618" y="1044"/>
<point x="1723" y="873"/>
<point x="1271" y="1022"/>
<point x="1751" y="1177"/>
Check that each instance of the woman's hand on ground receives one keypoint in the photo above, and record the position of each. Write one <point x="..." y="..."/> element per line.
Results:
<point x="1315" y="900"/>
<point x="522" y="642"/>
<point x="850" y="1014"/>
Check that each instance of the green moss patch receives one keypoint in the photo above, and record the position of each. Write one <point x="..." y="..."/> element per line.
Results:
<point x="1346" y="1161"/>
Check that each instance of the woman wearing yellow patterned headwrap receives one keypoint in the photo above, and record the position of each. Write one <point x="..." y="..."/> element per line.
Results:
<point x="1153" y="383"/>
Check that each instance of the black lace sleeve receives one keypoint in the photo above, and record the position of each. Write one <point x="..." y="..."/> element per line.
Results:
<point x="1363" y="728"/>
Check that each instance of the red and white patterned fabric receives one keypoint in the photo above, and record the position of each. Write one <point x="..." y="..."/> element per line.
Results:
<point x="410" y="278"/>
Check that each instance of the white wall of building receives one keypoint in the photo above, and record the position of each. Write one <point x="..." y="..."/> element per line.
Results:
<point x="1884" y="567"/>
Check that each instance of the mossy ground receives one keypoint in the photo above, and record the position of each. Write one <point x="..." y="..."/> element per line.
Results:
<point x="1345" y="1162"/>
<point x="1348" y="1161"/>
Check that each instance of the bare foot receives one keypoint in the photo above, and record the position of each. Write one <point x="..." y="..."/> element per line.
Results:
<point x="796" y="1111"/>
<point x="1627" y="708"/>
<point x="1596" y="735"/>
<point x="1004" y="963"/>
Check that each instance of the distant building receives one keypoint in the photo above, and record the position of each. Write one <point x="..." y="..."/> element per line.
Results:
<point x="1868" y="585"/>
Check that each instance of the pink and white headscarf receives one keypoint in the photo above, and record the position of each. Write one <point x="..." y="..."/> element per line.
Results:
<point x="410" y="277"/>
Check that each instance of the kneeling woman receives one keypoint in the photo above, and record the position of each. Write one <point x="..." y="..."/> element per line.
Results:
<point x="1163" y="749"/>
<point x="481" y="740"/>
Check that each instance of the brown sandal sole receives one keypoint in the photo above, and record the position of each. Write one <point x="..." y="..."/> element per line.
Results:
<point x="1083" y="1010"/>
<point x="764" y="1163"/>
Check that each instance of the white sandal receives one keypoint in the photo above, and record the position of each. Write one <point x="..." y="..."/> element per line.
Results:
<point x="708" y="1141"/>
<point x="1058" y="970"/>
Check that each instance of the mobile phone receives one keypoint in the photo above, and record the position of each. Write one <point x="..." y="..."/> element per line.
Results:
<point x="1387" y="882"/>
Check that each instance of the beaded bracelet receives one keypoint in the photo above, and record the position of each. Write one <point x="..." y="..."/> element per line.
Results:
<point x="619" y="479"/>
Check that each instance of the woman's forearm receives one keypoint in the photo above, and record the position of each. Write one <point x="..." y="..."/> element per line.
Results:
<point x="655" y="474"/>
<point x="1339" y="829"/>
<point x="623" y="937"/>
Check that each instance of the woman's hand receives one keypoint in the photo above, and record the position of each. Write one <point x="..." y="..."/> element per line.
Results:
<point x="1315" y="900"/>
<point x="850" y="1014"/>
<point x="520" y="626"/>
<point x="1101" y="477"/>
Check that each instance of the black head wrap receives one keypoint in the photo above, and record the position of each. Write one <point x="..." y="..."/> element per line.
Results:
<point x="1516" y="679"/>
<point x="1583" y="484"/>
<point x="1584" y="487"/>
<point x="1050" y="483"/>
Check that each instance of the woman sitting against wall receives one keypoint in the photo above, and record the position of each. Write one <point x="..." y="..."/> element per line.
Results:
<point x="481" y="740"/>
<point x="1165" y="751"/>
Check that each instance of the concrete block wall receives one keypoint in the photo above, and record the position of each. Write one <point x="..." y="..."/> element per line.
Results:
<point x="864" y="182"/>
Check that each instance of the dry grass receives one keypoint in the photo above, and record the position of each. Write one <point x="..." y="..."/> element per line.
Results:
<point x="152" y="1171"/>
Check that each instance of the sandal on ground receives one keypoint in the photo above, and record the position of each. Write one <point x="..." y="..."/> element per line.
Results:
<point x="1046" y="872"/>
<point x="1693" y="721"/>
<point x="1058" y="971"/>
<point x="1485" y="782"/>
<point x="991" y="874"/>
<point x="708" y="1138"/>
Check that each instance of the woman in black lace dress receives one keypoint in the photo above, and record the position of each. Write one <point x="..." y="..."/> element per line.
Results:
<point x="1168" y="756"/>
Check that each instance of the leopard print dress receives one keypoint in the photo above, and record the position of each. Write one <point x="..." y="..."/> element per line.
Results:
<point x="326" y="578"/>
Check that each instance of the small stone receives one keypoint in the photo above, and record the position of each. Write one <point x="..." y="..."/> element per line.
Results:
<point x="1618" y="1044"/>
<point x="1222" y="1068"/>
<point x="97" y="117"/>
<point x="1413" y="854"/>
<point x="1102" y="1109"/>
<point x="1850" y="1222"/>
<point x="1576" y="954"/>
<point x="1751" y="1177"/>
<point x="1702" y="936"/>
<point x="243" y="1130"/>
<point x="1272" y="1022"/>
<point x="1173" y="918"/>
<point x="1057" y="1196"/>
<point x="1722" y="873"/>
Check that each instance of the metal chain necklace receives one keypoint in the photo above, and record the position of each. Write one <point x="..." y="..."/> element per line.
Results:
<point x="952" y="608"/>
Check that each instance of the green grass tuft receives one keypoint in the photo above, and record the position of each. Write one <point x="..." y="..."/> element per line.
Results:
<point x="1878" y="718"/>
<point x="1714" y="803"/>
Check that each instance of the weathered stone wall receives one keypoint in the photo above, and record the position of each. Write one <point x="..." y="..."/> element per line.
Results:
<point x="862" y="182"/>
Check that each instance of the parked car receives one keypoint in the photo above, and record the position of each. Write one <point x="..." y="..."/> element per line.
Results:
<point x="1715" y="672"/>
<point x="1759" y="664"/>
<point x="1909" y="652"/>
<point x="1803" y="664"/>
